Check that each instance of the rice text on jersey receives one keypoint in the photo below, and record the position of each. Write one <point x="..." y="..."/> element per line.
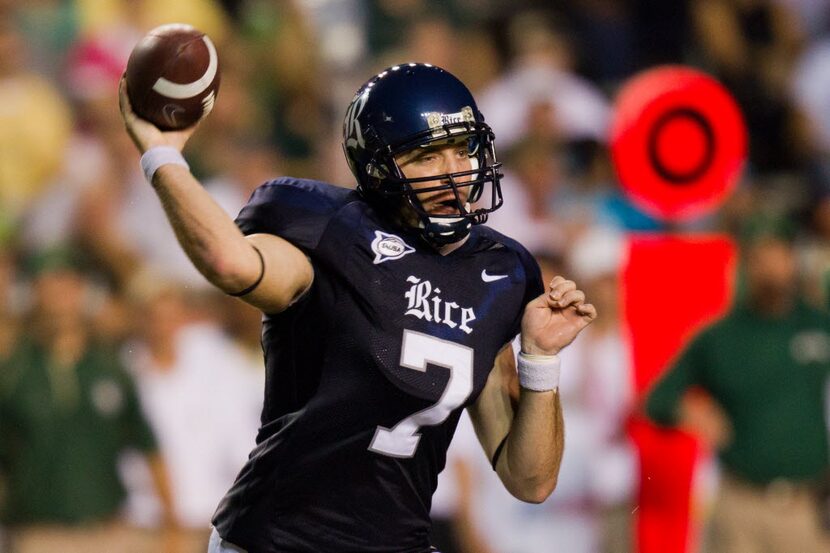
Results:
<point x="425" y="303"/>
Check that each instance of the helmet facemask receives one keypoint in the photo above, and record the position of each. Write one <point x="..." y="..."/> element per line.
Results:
<point x="387" y="181"/>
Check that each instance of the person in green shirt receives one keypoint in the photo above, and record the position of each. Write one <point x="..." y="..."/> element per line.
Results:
<point x="764" y="367"/>
<point x="67" y="411"/>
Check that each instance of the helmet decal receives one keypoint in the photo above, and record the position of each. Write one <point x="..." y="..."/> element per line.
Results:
<point x="353" y="132"/>
<point x="439" y="121"/>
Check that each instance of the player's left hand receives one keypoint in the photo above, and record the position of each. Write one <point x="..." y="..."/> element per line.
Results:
<point x="552" y="321"/>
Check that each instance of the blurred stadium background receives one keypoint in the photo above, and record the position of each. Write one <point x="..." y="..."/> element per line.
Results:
<point x="84" y="241"/>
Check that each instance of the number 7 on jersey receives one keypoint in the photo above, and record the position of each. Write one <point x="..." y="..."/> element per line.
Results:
<point x="416" y="351"/>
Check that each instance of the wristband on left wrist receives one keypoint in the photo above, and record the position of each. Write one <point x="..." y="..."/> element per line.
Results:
<point x="539" y="373"/>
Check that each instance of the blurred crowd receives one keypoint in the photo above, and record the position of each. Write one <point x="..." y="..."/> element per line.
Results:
<point x="123" y="372"/>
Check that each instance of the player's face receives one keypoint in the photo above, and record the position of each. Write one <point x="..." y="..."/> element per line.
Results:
<point x="438" y="160"/>
<point x="770" y="270"/>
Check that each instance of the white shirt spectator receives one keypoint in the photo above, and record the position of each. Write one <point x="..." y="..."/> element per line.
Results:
<point x="204" y="411"/>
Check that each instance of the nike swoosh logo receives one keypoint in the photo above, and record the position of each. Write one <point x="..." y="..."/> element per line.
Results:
<point x="188" y="90"/>
<point x="491" y="278"/>
<point x="170" y="112"/>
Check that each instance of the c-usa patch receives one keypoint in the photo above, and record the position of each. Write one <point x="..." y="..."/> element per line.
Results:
<point x="388" y="247"/>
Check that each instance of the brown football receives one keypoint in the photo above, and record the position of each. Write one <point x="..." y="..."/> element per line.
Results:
<point x="173" y="76"/>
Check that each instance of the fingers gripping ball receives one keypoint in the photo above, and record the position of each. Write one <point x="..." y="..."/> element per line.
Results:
<point x="173" y="76"/>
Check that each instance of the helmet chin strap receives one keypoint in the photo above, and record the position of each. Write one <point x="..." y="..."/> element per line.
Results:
<point x="441" y="231"/>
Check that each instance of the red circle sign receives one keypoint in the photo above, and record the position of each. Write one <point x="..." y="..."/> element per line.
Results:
<point x="678" y="142"/>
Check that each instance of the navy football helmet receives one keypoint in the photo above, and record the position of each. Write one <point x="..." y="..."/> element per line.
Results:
<point x="417" y="105"/>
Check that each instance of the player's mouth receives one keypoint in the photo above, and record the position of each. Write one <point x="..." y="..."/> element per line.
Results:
<point x="447" y="205"/>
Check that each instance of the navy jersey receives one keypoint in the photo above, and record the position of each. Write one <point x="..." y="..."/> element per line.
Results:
<point x="367" y="373"/>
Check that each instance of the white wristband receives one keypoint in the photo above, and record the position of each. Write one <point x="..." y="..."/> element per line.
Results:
<point x="539" y="373"/>
<point x="157" y="156"/>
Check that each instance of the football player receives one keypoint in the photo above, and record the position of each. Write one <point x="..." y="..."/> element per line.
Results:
<point x="387" y="310"/>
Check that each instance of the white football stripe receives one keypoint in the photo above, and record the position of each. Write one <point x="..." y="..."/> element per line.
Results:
<point x="188" y="90"/>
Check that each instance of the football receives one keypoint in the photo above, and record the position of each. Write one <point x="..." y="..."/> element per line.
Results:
<point x="173" y="76"/>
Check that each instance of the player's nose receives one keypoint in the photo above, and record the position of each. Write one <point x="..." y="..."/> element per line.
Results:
<point x="454" y="164"/>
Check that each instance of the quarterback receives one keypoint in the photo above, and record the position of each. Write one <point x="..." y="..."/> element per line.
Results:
<point x="387" y="310"/>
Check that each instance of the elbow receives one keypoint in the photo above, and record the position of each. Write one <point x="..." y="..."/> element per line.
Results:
<point x="541" y="492"/>
<point x="535" y="492"/>
<point x="226" y="273"/>
<point x="226" y="282"/>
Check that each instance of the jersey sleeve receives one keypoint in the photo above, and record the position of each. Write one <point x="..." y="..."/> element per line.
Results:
<point x="296" y="210"/>
<point x="533" y="288"/>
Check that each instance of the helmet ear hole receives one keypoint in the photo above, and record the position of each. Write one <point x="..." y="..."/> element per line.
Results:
<point x="373" y="171"/>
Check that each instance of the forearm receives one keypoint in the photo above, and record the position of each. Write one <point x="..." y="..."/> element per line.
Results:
<point x="209" y="237"/>
<point x="206" y="233"/>
<point x="530" y="460"/>
<point x="531" y="454"/>
<point x="265" y="270"/>
<point x="531" y="429"/>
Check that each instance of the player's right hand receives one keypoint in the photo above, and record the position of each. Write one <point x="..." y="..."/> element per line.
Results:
<point x="144" y="134"/>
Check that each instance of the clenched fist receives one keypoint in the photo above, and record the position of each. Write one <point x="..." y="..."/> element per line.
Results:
<point x="552" y="320"/>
